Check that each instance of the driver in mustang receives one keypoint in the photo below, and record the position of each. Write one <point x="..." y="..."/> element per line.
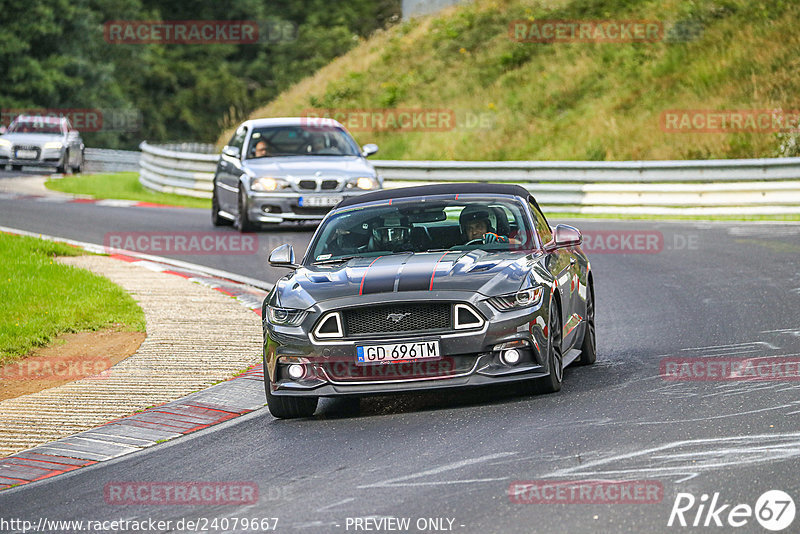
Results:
<point x="476" y="225"/>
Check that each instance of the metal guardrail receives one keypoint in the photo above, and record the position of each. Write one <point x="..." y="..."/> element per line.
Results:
<point x="104" y="160"/>
<point x="705" y="187"/>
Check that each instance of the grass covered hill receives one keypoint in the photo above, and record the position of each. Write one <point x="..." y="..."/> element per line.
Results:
<point x="514" y="100"/>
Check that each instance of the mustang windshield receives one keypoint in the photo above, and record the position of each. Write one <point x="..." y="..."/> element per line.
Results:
<point x="423" y="225"/>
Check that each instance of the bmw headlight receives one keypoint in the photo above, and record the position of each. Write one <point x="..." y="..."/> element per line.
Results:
<point x="266" y="183"/>
<point x="364" y="182"/>
<point x="285" y="316"/>
<point x="521" y="299"/>
<point x="53" y="145"/>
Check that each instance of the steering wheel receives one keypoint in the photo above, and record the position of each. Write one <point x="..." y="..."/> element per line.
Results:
<point x="474" y="241"/>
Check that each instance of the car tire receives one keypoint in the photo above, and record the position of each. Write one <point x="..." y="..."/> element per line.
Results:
<point x="589" y="345"/>
<point x="216" y="218"/>
<point x="555" y="358"/>
<point x="62" y="168"/>
<point x="79" y="168"/>
<point x="242" y="223"/>
<point x="284" y="407"/>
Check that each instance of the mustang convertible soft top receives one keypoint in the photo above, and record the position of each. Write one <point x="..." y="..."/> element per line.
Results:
<point x="440" y="189"/>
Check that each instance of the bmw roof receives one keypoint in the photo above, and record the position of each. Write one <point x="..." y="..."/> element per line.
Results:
<point x="310" y="122"/>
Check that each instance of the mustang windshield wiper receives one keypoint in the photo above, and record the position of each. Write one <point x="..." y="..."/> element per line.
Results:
<point x="335" y="260"/>
<point x="345" y="258"/>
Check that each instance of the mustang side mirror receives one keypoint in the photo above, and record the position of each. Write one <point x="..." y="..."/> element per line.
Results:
<point x="231" y="151"/>
<point x="567" y="236"/>
<point x="368" y="150"/>
<point x="283" y="256"/>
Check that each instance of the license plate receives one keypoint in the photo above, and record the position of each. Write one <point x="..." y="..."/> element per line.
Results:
<point x="398" y="352"/>
<point x="316" y="202"/>
<point x="27" y="154"/>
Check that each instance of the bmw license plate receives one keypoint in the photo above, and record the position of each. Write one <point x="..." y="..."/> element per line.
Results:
<point x="317" y="202"/>
<point x="398" y="352"/>
<point x="27" y="154"/>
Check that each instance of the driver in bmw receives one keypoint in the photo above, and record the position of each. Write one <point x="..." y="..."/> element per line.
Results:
<point x="476" y="224"/>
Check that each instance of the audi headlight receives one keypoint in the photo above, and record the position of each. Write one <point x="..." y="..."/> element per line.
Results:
<point x="364" y="182"/>
<point x="266" y="183"/>
<point x="521" y="299"/>
<point x="285" y="316"/>
<point x="53" y="144"/>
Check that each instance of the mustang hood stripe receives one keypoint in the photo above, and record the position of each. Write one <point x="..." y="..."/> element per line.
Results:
<point x="417" y="272"/>
<point x="364" y="277"/>
<point x="408" y="272"/>
<point x="380" y="276"/>
<point x="430" y="288"/>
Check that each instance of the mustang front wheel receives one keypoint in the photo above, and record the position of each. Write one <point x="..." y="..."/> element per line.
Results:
<point x="289" y="407"/>
<point x="552" y="382"/>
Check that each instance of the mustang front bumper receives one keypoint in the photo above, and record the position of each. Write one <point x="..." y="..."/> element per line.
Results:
<point x="467" y="357"/>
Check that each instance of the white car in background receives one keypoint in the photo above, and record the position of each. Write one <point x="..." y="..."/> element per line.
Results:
<point x="34" y="141"/>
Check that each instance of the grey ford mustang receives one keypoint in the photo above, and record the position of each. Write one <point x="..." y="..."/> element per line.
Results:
<point x="427" y="287"/>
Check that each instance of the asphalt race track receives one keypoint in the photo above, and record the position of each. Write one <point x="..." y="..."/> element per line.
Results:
<point x="704" y="290"/>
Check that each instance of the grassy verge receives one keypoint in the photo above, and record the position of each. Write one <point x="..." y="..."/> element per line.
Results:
<point x="42" y="298"/>
<point x="121" y="186"/>
<point x="567" y="100"/>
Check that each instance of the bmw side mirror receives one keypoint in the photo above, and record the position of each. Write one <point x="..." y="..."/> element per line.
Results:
<point x="567" y="236"/>
<point x="368" y="150"/>
<point x="283" y="256"/>
<point x="231" y="151"/>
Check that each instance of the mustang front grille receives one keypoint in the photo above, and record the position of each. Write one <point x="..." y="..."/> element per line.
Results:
<point x="412" y="317"/>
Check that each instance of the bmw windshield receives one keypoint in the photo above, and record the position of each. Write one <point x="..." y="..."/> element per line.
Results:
<point x="417" y="225"/>
<point x="279" y="141"/>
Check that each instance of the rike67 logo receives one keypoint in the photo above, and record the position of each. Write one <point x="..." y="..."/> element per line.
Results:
<point x="774" y="510"/>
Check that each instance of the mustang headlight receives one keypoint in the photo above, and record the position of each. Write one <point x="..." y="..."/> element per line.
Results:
<point x="364" y="182"/>
<point x="267" y="183"/>
<point x="285" y="316"/>
<point x="53" y="144"/>
<point x="521" y="299"/>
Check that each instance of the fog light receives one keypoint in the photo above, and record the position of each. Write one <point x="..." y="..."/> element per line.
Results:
<point x="296" y="371"/>
<point x="510" y="357"/>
